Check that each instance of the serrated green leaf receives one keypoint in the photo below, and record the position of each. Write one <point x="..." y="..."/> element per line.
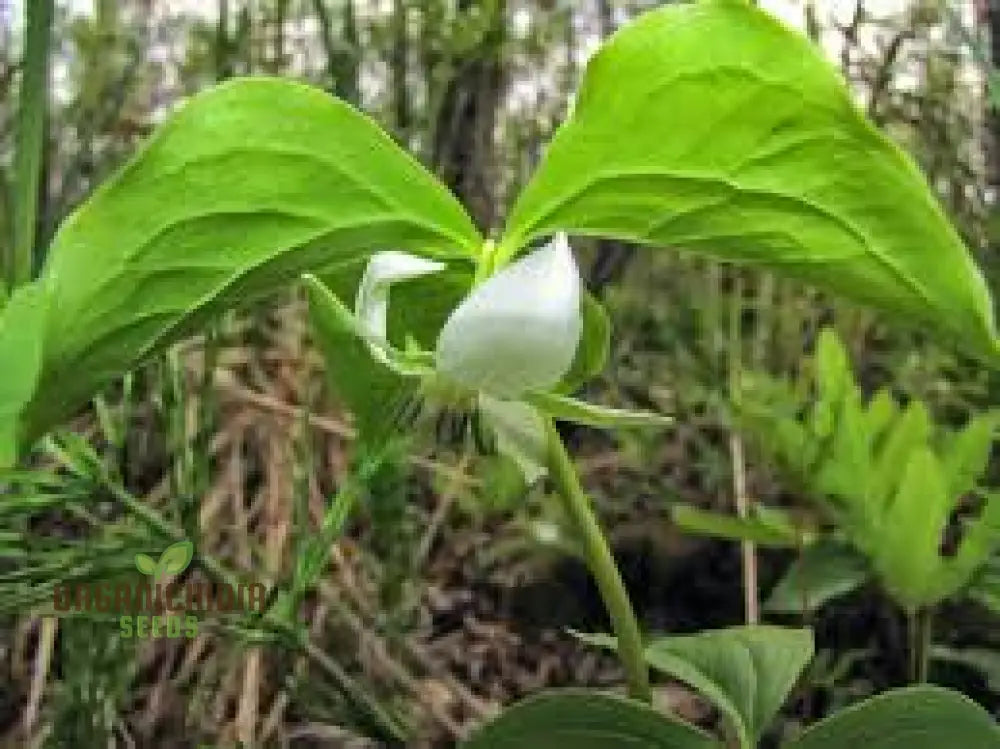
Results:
<point x="834" y="381"/>
<point x="848" y="463"/>
<point x="823" y="571"/>
<point x="575" y="719"/>
<point x="248" y="186"/>
<point x="747" y="672"/>
<point x="906" y="546"/>
<point x="967" y="454"/>
<point x="924" y="717"/>
<point x="910" y="432"/>
<point x="980" y="540"/>
<point x="767" y="410"/>
<point x="881" y="413"/>
<point x="175" y="558"/>
<point x="714" y="127"/>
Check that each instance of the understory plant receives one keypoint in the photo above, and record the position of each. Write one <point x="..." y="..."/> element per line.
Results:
<point x="710" y="127"/>
<point x="897" y="498"/>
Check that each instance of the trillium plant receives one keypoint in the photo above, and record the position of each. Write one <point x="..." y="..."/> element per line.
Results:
<point x="506" y="347"/>
<point x="707" y="127"/>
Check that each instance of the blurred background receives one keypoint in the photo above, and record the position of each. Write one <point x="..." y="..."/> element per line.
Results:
<point x="452" y="591"/>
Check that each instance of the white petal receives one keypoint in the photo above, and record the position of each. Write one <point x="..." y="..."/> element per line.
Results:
<point x="519" y="329"/>
<point x="520" y="434"/>
<point x="371" y="306"/>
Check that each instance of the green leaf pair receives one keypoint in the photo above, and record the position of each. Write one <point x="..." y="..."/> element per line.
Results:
<point x="173" y="561"/>
<point x="707" y="126"/>
<point x="747" y="673"/>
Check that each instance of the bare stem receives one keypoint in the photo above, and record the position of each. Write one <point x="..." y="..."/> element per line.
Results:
<point x="921" y="623"/>
<point x="602" y="565"/>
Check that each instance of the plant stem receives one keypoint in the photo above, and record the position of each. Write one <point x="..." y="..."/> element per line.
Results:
<point x="31" y="112"/>
<point x="921" y="640"/>
<point x="751" y="595"/>
<point x="601" y="563"/>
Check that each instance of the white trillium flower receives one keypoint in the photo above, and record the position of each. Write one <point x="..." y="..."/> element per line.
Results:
<point x="510" y="341"/>
<point x="515" y="333"/>
<point x="518" y="330"/>
<point x="371" y="305"/>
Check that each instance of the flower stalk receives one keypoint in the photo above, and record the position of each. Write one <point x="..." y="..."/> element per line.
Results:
<point x="601" y="564"/>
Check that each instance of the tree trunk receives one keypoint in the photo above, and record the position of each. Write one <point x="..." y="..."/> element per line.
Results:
<point x="463" y="149"/>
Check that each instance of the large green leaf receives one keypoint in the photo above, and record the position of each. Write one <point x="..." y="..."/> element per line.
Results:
<point x="247" y="186"/>
<point x="747" y="672"/>
<point x="924" y="717"/>
<point x="586" y="720"/>
<point x="714" y="127"/>
<point x="21" y="325"/>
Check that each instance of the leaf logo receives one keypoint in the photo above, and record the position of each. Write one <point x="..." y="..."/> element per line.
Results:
<point x="174" y="560"/>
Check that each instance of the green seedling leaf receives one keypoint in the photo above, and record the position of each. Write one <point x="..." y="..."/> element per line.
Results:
<point x="773" y="529"/>
<point x="145" y="564"/>
<point x="249" y="185"/>
<point x="175" y="559"/>
<point x="575" y="719"/>
<point x="777" y="167"/>
<point x="600" y="417"/>
<point x="824" y="571"/>
<point x="924" y="717"/>
<point x="747" y="672"/>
